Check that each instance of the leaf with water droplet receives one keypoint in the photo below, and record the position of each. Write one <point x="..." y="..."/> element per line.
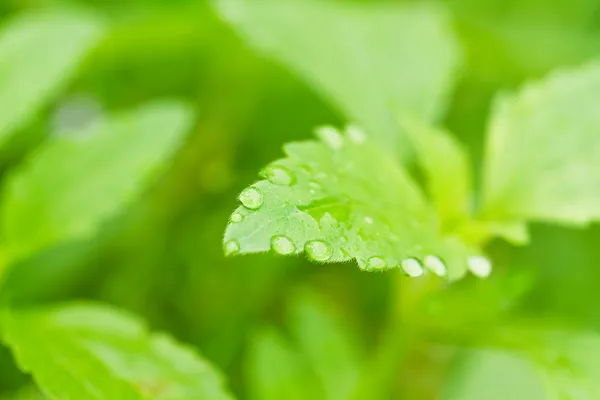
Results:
<point x="356" y="203"/>
<point x="278" y="175"/>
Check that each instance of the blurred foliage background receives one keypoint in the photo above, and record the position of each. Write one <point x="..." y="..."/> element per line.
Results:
<point x="162" y="257"/>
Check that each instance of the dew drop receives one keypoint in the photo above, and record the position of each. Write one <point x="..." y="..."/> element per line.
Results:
<point x="356" y="134"/>
<point x="376" y="263"/>
<point x="369" y="220"/>
<point x="344" y="239"/>
<point x="252" y="198"/>
<point x="279" y="176"/>
<point x="283" y="245"/>
<point x="412" y="267"/>
<point x="480" y="266"/>
<point x="236" y="217"/>
<point x="314" y="187"/>
<point x="331" y="137"/>
<point x="435" y="265"/>
<point x="318" y="250"/>
<point x="232" y="247"/>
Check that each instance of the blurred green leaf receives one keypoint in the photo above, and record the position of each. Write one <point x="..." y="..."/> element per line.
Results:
<point x="369" y="60"/>
<point x="543" y="152"/>
<point x="275" y="371"/>
<point x="328" y="345"/>
<point x="85" y="351"/>
<point x="543" y="364"/>
<point x="342" y="198"/>
<point x="494" y="375"/>
<point x="39" y="52"/>
<point x="447" y="169"/>
<point x="72" y="184"/>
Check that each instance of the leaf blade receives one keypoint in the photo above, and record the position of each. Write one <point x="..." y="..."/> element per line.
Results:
<point x="58" y="42"/>
<point x="85" y="351"/>
<point x="73" y="184"/>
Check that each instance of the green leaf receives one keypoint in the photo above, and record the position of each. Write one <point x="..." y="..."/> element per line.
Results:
<point x="339" y="199"/>
<point x="72" y="184"/>
<point x="92" y="352"/>
<point x="447" y="169"/>
<point x="494" y="375"/>
<point x="328" y="345"/>
<point x="543" y="153"/>
<point x="39" y="52"/>
<point x="369" y="60"/>
<point x="276" y="371"/>
<point x="544" y="365"/>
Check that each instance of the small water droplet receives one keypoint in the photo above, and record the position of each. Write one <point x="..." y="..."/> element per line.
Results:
<point x="331" y="137"/>
<point x="480" y="266"/>
<point x="252" y="198"/>
<point x="435" y="265"/>
<point x="318" y="250"/>
<point x="278" y="175"/>
<point x="344" y="239"/>
<point x="236" y="217"/>
<point x="376" y="263"/>
<point x="356" y="134"/>
<point x="283" y="245"/>
<point x="369" y="220"/>
<point x="412" y="267"/>
<point x="232" y="247"/>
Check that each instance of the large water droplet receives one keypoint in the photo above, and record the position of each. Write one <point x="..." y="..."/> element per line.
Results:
<point x="412" y="267"/>
<point x="376" y="263"/>
<point x="279" y="175"/>
<point x="282" y="245"/>
<point x="331" y="137"/>
<point x="318" y="250"/>
<point x="356" y="134"/>
<point x="232" y="247"/>
<point x="435" y="265"/>
<point x="236" y="217"/>
<point x="480" y="266"/>
<point x="251" y="198"/>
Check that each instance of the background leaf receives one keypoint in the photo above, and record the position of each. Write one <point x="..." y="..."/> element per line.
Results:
<point x="543" y="151"/>
<point x="72" y="184"/>
<point x="274" y="370"/>
<point x="58" y="41"/>
<point x="369" y="59"/>
<point x="328" y="345"/>
<point x="85" y="351"/>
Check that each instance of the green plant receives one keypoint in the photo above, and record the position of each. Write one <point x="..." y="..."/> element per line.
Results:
<point x="353" y="196"/>
<point x="393" y="190"/>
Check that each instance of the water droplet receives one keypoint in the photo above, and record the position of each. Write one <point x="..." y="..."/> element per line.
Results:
<point x="232" y="247"/>
<point x="236" y="217"/>
<point x="279" y="175"/>
<point x="480" y="266"/>
<point x="376" y="263"/>
<point x="331" y="137"/>
<point x="318" y="250"/>
<point x="369" y="220"/>
<point x="412" y="267"/>
<point x="252" y="198"/>
<point x="356" y="134"/>
<point x="282" y="245"/>
<point x="344" y="239"/>
<point x="435" y="265"/>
